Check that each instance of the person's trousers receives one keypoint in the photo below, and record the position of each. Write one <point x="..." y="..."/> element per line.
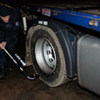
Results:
<point x="4" y="58"/>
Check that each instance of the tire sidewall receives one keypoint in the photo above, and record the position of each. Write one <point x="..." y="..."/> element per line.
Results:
<point x="46" y="32"/>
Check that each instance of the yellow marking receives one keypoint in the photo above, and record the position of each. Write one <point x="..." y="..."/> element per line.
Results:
<point x="93" y="23"/>
<point x="72" y="43"/>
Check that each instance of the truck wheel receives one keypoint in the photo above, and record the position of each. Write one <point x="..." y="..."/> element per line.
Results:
<point x="48" y="56"/>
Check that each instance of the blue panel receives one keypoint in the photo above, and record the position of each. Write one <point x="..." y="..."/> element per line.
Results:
<point x="77" y="18"/>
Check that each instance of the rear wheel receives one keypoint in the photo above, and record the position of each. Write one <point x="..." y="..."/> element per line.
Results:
<point x="47" y="56"/>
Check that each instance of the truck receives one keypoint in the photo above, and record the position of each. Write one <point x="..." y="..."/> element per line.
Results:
<point x="63" y="43"/>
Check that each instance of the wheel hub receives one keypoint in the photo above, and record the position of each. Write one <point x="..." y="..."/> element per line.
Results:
<point x="45" y="55"/>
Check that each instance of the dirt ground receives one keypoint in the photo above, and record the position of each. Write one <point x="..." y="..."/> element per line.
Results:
<point x="17" y="87"/>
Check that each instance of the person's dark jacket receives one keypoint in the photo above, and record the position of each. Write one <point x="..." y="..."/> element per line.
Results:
<point x="9" y="31"/>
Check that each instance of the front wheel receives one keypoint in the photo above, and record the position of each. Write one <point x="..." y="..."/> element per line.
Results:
<point x="47" y="56"/>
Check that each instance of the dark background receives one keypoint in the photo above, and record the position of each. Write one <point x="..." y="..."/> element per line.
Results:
<point x="20" y="2"/>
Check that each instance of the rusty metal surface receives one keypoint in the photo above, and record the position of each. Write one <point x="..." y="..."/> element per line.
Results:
<point x="93" y="11"/>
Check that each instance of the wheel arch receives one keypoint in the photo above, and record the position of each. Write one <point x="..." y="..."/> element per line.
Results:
<point x="62" y="33"/>
<point x="65" y="34"/>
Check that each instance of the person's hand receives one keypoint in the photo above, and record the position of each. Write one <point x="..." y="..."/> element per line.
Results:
<point x="2" y="45"/>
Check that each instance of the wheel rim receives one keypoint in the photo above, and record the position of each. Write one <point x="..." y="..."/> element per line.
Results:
<point x="45" y="55"/>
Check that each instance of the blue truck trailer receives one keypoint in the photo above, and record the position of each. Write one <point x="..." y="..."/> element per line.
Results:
<point x="63" y="43"/>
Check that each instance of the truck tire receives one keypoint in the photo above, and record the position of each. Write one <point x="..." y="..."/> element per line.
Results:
<point x="48" y="56"/>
